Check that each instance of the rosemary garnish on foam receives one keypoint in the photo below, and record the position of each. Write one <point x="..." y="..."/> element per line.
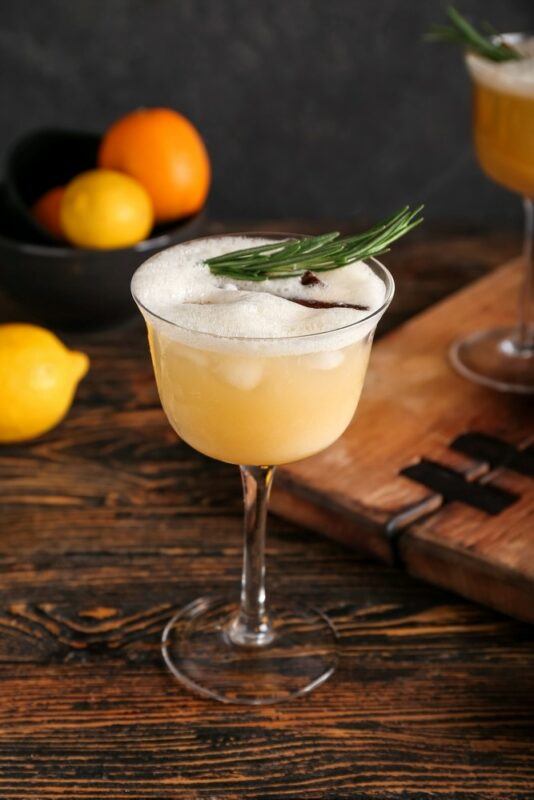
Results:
<point x="288" y="259"/>
<point x="460" y="31"/>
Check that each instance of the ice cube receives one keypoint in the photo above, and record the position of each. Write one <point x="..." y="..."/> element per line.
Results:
<point x="199" y="357"/>
<point x="329" y="359"/>
<point x="243" y="373"/>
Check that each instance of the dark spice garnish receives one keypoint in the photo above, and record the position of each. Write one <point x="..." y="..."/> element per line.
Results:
<point x="325" y="304"/>
<point x="310" y="279"/>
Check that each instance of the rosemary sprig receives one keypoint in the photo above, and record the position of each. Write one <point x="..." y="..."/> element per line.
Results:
<point x="291" y="258"/>
<point x="460" y="31"/>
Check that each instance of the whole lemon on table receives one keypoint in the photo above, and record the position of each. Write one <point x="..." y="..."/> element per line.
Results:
<point x="164" y="151"/>
<point x="102" y="209"/>
<point x="38" y="378"/>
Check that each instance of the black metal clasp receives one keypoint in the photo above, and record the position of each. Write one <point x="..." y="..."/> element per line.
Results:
<point x="453" y="486"/>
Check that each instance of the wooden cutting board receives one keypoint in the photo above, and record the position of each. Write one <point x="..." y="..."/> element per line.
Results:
<point x="435" y="474"/>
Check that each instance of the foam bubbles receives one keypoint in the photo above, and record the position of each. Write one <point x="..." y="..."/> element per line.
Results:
<point x="178" y="289"/>
<point x="514" y="77"/>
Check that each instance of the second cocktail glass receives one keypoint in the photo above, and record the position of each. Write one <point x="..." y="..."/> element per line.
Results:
<point x="503" y="131"/>
<point x="257" y="403"/>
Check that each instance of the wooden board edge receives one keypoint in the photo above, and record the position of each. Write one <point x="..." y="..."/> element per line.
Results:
<point x="461" y="572"/>
<point x="362" y="535"/>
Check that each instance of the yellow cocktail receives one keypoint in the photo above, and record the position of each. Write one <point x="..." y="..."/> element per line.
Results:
<point x="503" y="124"/>
<point x="251" y="408"/>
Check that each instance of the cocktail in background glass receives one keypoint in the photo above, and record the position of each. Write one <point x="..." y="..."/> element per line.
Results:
<point x="257" y="402"/>
<point x="503" y="131"/>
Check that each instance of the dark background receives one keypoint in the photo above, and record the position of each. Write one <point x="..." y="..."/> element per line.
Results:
<point x="309" y="107"/>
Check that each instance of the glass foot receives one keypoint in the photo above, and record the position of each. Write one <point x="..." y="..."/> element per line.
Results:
<point x="492" y="359"/>
<point x="198" y="651"/>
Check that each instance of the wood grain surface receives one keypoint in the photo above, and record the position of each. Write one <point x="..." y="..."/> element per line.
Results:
<point x="109" y="523"/>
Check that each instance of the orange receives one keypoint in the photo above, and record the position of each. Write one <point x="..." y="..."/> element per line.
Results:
<point x="165" y="152"/>
<point x="102" y="209"/>
<point x="47" y="211"/>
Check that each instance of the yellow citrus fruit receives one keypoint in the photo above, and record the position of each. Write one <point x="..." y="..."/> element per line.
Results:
<point x="103" y="209"/>
<point x="38" y="378"/>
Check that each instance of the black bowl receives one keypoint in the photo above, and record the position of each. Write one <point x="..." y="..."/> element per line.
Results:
<point x="74" y="289"/>
<point x="66" y="287"/>
<point x="39" y="161"/>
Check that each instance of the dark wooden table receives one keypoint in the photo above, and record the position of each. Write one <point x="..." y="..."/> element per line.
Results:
<point x="109" y="524"/>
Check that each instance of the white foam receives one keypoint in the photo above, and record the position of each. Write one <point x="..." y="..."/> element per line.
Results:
<point x="513" y="77"/>
<point x="178" y="288"/>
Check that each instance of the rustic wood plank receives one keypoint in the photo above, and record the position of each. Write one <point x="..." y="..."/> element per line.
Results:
<point x="384" y="733"/>
<point x="109" y="523"/>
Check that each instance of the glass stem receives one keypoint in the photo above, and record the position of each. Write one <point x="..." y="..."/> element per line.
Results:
<point x="252" y="626"/>
<point x="525" y="328"/>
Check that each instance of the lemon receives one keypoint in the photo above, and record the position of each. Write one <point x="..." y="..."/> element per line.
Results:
<point x="38" y="378"/>
<point x="104" y="209"/>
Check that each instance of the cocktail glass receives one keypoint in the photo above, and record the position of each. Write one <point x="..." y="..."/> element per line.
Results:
<point x="257" y="403"/>
<point x="503" y="127"/>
